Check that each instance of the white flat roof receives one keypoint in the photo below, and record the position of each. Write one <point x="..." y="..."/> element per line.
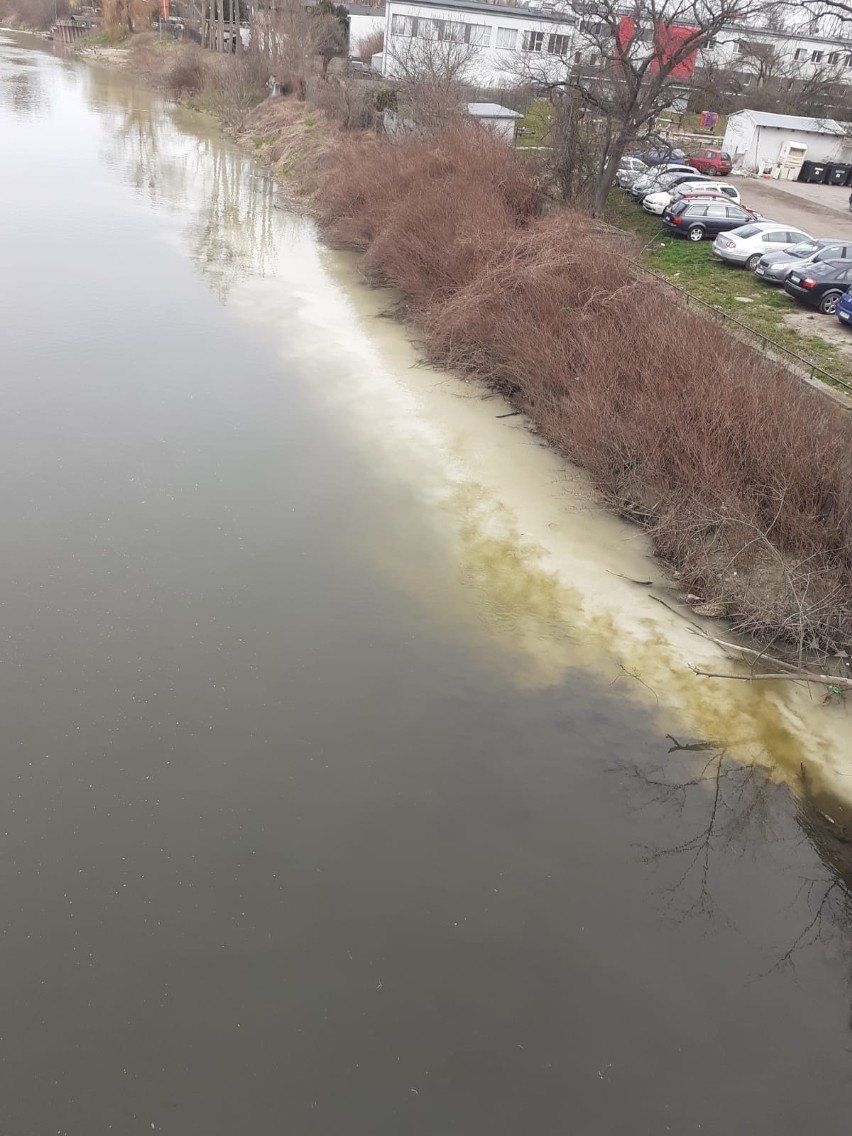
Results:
<point x="491" y="110"/>
<point x="792" y="122"/>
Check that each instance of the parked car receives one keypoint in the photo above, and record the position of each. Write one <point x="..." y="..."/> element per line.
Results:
<point x="772" y="268"/>
<point x="658" y="178"/>
<point x="629" y="170"/>
<point x="711" y="162"/>
<point x="658" y="199"/>
<point x="820" y="285"/>
<point x="660" y="155"/>
<point x="656" y="202"/>
<point x="844" y="307"/>
<point x="706" y="185"/>
<point x="699" y="219"/>
<point x="747" y="245"/>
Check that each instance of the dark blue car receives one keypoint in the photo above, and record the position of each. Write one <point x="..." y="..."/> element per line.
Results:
<point x="843" y="311"/>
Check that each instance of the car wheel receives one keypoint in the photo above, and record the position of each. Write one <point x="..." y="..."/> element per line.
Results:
<point x="711" y="170"/>
<point x="751" y="263"/>
<point x="696" y="233"/>
<point x="828" y="304"/>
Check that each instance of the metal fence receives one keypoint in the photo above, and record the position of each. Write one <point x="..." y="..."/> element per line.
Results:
<point x="766" y="344"/>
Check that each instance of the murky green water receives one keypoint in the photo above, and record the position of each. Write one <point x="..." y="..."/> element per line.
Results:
<point x="295" y="837"/>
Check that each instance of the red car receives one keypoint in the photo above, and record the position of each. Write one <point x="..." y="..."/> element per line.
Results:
<point x="711" y="162"/>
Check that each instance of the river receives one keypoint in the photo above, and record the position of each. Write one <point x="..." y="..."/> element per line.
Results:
<point x="336" y="794"/>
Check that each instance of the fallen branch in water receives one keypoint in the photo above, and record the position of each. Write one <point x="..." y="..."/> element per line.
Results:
<point x="806" y="676"/>
<point x="757" y="655"/>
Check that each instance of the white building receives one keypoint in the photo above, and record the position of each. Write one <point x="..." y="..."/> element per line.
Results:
<point x="787" y="57"/>
<point x="546" y="40"/>
<point x="497" y="45"/>
<point x="754" y="138"/>
<point x="363" y="23"/>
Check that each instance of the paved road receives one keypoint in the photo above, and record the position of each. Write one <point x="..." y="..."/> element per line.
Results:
<point x="821" y="210"/>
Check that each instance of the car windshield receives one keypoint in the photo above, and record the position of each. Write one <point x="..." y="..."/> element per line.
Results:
<point x="804" y="249"/>
<point x="725" y="156"/>
<point x="748" y="231"/>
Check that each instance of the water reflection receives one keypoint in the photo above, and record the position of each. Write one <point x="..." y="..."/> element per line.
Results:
<point x="169" y="157"/>
<point x="21" y="85"/>
<point x="722" y="809"/>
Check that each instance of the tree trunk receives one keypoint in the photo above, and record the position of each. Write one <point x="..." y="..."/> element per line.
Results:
<point x="607" y="176"/>
<point x="235" y="23"/>
<point x="221" y="26"/>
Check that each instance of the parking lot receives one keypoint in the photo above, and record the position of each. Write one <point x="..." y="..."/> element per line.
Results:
<point x="821" y="210"/>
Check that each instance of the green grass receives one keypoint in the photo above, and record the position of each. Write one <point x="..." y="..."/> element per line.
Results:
<point x="734" y="290"/>
<point x="537" y="119"/>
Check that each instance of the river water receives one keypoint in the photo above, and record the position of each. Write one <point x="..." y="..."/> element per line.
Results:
<point x="330" y="801"/>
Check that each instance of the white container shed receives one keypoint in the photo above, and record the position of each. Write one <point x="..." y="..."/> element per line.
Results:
<point x="754" y="138"/>
<point x="498" y="118"/>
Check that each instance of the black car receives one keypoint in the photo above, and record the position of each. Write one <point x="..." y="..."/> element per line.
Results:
<point x="700" y="219"/>
<point x="821" y="284"/>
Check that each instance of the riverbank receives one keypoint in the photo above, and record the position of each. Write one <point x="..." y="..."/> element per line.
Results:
<point x="684" y="429"/>
<point x="327" y="172"/>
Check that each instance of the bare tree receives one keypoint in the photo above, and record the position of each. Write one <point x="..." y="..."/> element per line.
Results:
<point x="330" y="32"/>
<point x="636" y="59"/>
<point x="369" y="46"/>
<point x="432" y="65"/>
<point x="293" y="39"/>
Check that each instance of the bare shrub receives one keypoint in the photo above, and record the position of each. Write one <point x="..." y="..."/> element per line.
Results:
<point x="742" y="474"/>
<point x="236" y="84"/>
<point x="185" y="73"/>
<point x="369" y="46"/>
<point x="348" y="101"/>
<point x="39" y="14"/>
<point x="433" y="213"/>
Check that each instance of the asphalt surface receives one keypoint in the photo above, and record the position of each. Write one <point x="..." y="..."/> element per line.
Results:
<point x="820" y="210"/>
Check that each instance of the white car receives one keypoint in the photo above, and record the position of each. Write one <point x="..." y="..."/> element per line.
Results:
<point x="746" y="245"/>
<point x="657" y="202"/>
<point x="657" y="178"/>
<point x="629" y="170"/>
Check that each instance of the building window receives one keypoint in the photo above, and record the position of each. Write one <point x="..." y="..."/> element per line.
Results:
<point x="533" y="41"/>
<point x="816" y="57"/>
<point x="800" y="53"/>
<point x="452" y="31"/>
<point x="558" y="44"/>
<point x="479" y="34"/>
<point x="403" y="25"/>
<point x="834" y="58"/>
<point x="507" y="38"/>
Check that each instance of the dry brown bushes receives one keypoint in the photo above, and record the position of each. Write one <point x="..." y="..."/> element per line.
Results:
<point x="369" y="46"/>
<point x="742" y="474"/>
<point x="427" y="214"/>
<point x="32" y="13"/>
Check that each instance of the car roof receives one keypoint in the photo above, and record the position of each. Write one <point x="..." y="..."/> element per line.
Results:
<point x="767" y="226"/>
